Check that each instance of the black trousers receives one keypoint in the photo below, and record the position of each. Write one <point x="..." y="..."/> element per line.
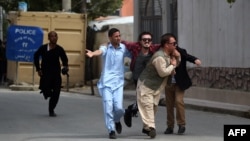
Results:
<point x="133" y="108"/>
<point x="51" y="87"/>
<point x="3" y="70"/>
<point x="54" y="98"/>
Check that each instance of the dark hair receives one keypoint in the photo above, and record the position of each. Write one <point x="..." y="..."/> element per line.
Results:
<point x="144" y="33"/>
<point x="165" y="38"/>
<point x="51" y="32"/>
<point x="112" y="31"/>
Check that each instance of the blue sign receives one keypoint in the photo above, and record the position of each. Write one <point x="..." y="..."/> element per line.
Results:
<point x="22" y="42"/>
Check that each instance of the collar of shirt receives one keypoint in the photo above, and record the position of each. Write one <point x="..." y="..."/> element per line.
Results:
<point x="111" y="46"/>
<point x="48" y="47"/>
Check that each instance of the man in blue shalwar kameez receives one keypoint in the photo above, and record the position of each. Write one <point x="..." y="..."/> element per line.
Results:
<point x="111" y="83"/>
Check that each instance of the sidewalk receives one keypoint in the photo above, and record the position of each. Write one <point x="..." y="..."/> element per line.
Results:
<point x="198" y="104"/>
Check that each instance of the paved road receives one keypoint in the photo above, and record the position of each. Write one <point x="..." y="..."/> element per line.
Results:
<point x="24" y="117"/>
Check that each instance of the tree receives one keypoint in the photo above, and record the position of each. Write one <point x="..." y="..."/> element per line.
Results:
<point x="95" y="8"/>
<point x="231" y="2"/>
<point x="9" y="5"/>
<point x="33" y="5"/>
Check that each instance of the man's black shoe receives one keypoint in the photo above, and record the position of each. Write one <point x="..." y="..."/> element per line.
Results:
<point x="118" y="127"/>
<point x="133" y="109"/>
<point x="145" y="131"/>
<point x="169" y="131"/>
<point x="52" y="114"/>
<point x="128" y="118"/>
<point x="181" y="129"/>
<point x="152" y="132"/>
<point x="112" y="135"/>
<point x="45" y="95"/>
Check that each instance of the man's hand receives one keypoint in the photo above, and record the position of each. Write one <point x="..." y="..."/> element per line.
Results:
<point x="173" y="73"/>
<point x="173" y="61"/>
<point x="89" y="53"/>
<point x="197" y="62"/>
<point x="176" y="54"/>
<point x="65" y="70"/>
<point x="40" y="73"/>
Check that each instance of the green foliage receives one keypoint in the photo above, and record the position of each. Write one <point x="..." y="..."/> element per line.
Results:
<point x="105" y="8"/>
<point x="33" y="5"/>
<point x="231" y="2"/>
<point x="9" y="5"/>
<point x="95" y="8"/>
<point x="45" y="5"/>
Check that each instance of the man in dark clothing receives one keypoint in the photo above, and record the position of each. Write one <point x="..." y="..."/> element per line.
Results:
<point x="141" y="52"/>
<point x="3" y="61"/>
<point x="174" y="92"/>
<point x="50" y="69"/>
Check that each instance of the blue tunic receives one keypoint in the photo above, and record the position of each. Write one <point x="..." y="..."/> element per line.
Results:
<point x="112" y="75"/>
<point x="111" y="83"/>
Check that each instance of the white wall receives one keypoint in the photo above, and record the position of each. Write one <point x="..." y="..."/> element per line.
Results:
<point x="214" y="32"/>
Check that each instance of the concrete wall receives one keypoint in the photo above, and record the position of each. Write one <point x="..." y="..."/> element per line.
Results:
<point x="216" y="33"/>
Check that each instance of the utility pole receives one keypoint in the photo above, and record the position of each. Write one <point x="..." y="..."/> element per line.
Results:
<point x="89" y="61"/>
<point x="66" y="5"/>
<point x="84" y="6"/>
<point x="1" y="22"/>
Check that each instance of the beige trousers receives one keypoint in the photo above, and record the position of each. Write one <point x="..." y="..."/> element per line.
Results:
<point x="147" y="100"/>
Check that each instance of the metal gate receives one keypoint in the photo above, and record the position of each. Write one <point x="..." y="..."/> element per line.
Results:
<point x="152" y="24"/>
<point x="150" y="12"/>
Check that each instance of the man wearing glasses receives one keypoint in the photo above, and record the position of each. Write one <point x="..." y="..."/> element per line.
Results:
<point x="175" y="88"/>
<point x="141" y="52"/>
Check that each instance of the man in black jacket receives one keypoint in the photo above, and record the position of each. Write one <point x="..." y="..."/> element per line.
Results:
<point x="50" y="70"/>
<point x="174" y="92"/>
